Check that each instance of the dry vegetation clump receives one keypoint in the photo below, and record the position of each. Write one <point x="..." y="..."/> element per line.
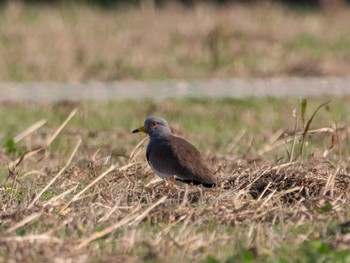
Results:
<point x="304" y="188"/>
<point x="92" y="207"/>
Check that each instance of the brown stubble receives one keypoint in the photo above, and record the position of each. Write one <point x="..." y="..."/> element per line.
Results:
<point x="95" y="206"/>
<point x="78" y="43"/>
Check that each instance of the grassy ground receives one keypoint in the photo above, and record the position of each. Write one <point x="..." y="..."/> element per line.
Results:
<point x="77" y="43"/>
<point x="53" y="209"/>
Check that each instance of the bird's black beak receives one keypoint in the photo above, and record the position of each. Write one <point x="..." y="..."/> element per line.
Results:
<point x="141" y="129"/>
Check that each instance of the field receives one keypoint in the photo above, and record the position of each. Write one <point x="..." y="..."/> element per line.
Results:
<point x="75" y="186"/>
<point x="78" y="43"/>
<point x="74" y="182"/>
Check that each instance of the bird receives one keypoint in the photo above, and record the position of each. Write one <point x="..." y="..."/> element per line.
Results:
<point x="170" y="156"/>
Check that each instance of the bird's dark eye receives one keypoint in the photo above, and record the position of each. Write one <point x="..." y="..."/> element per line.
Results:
<point x="153" y="124"/>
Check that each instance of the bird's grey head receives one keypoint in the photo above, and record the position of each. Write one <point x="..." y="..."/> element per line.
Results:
<point x="155" y="126"/>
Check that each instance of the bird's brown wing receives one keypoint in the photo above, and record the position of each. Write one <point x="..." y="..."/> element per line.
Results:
<point x="178" y="157"/>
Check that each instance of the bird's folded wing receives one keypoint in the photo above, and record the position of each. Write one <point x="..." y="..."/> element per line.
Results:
<point x="176" y="156"/>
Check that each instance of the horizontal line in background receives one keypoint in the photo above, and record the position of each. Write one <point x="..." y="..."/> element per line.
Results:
<point x="228" y="88"/>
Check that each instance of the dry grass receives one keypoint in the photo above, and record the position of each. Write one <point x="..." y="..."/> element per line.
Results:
<point x="75" y="42"/>
<point x="91" y="206"/>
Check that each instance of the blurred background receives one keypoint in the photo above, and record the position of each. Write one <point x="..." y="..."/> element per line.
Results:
<point x="105" y="40"/>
